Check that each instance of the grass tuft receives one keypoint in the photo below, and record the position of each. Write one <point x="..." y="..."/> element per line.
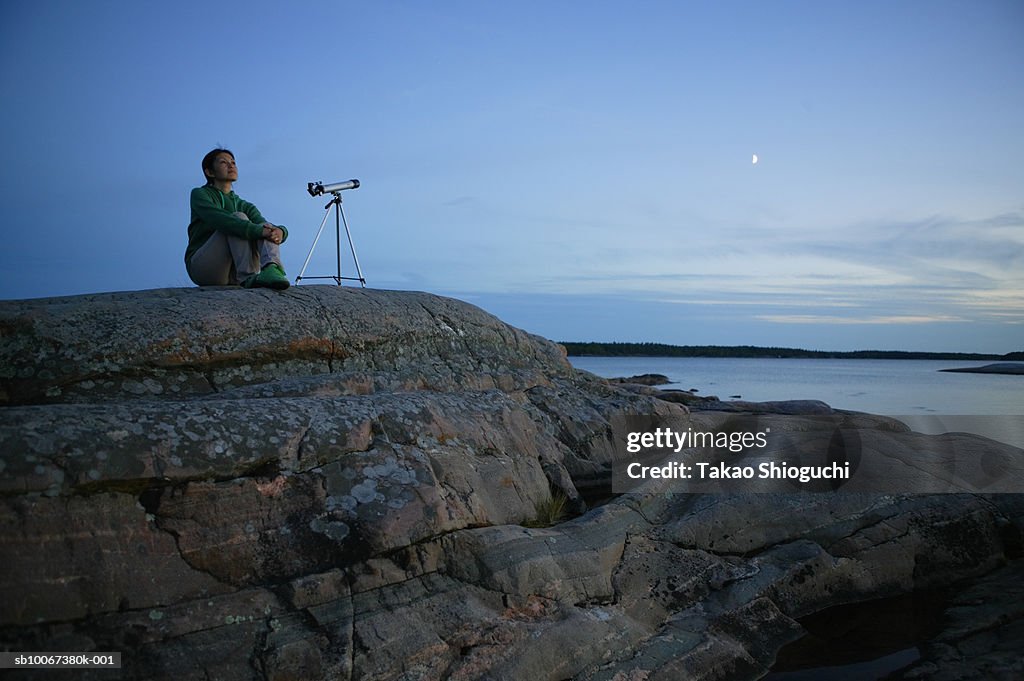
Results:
<point x="549" y="512"/>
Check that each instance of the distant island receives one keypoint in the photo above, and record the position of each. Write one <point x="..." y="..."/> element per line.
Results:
<point x="593" y="349"/>
<point x="1009" y="368"/>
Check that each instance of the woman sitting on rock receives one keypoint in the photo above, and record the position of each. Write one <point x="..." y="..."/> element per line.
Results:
<point x="229" y="242"/>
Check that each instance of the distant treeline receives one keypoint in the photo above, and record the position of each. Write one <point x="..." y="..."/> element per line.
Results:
<point x="662" y="350"/>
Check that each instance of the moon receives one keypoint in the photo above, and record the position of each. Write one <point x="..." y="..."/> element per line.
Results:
<point x="754" y="159"/>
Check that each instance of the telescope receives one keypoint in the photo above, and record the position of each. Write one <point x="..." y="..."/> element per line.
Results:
<point x="319" y="188"/>
<point x="316" y="189"/>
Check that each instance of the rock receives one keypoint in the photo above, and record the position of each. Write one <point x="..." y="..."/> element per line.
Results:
<point x="792" y="407"/>
<point x="1000" y="368"/>
<point x="686" y="397"/>
<point x="69" y="557"/>
<point x="638" y="388"/>
<point x="643" y="379"/>
<point x="334" y="482"/>
<point x="178" y="343"/>
<point x="981" y="632"/>
<point x="712" y="403"/>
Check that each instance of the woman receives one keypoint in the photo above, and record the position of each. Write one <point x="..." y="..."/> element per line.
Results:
<point x="229" y="242"/>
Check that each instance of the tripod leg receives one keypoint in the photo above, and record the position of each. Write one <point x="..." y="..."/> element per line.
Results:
<point x="337" y="238"/>
<point x="310" y="254"/>
<point x="351" y="245"/>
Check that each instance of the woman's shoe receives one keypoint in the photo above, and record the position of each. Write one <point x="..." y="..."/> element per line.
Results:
<point x="272" y="276"/>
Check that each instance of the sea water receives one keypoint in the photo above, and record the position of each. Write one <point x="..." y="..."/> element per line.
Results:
<point x="929" y="400"/>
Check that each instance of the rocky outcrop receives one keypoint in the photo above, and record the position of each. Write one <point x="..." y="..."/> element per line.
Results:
<point x="642" y="379"/>
<point x="337" y="483"/>
<point x="736" y="406"/>
<point x="186" y="343"/>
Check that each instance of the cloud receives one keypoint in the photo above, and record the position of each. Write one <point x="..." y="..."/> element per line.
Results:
<point x="933" y="270"/>
<point x="825" y="319"/>
<point x="929" y="270"/>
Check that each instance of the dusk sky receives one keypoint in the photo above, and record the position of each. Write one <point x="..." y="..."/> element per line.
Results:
<point x="583" y="170"/>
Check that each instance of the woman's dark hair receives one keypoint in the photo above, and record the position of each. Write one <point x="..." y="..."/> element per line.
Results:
<point x="210" y="158"/>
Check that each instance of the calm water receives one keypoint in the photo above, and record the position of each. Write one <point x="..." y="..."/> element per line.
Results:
<point x="892" y="387"/>
<point x="914" y="390"/>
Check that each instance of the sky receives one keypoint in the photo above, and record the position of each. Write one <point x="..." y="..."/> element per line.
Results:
<point x="583" y="170"/>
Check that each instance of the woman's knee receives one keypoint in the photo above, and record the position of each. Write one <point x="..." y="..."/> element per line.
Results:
<point x="241" y="216"/>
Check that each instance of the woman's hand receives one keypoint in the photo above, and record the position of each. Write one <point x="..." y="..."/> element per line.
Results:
<point x="272" y="233"/>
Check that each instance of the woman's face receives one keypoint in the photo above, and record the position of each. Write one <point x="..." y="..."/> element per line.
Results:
<point x="224" y="168"/>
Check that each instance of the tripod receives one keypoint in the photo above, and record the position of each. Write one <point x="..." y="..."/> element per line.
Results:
<point x="339" y="218"/>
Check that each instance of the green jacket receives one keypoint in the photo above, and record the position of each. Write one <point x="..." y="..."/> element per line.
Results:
<point x="212" y="211"/>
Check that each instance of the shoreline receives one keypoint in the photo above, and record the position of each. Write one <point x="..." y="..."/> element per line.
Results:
<point x="596" y="349"/>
